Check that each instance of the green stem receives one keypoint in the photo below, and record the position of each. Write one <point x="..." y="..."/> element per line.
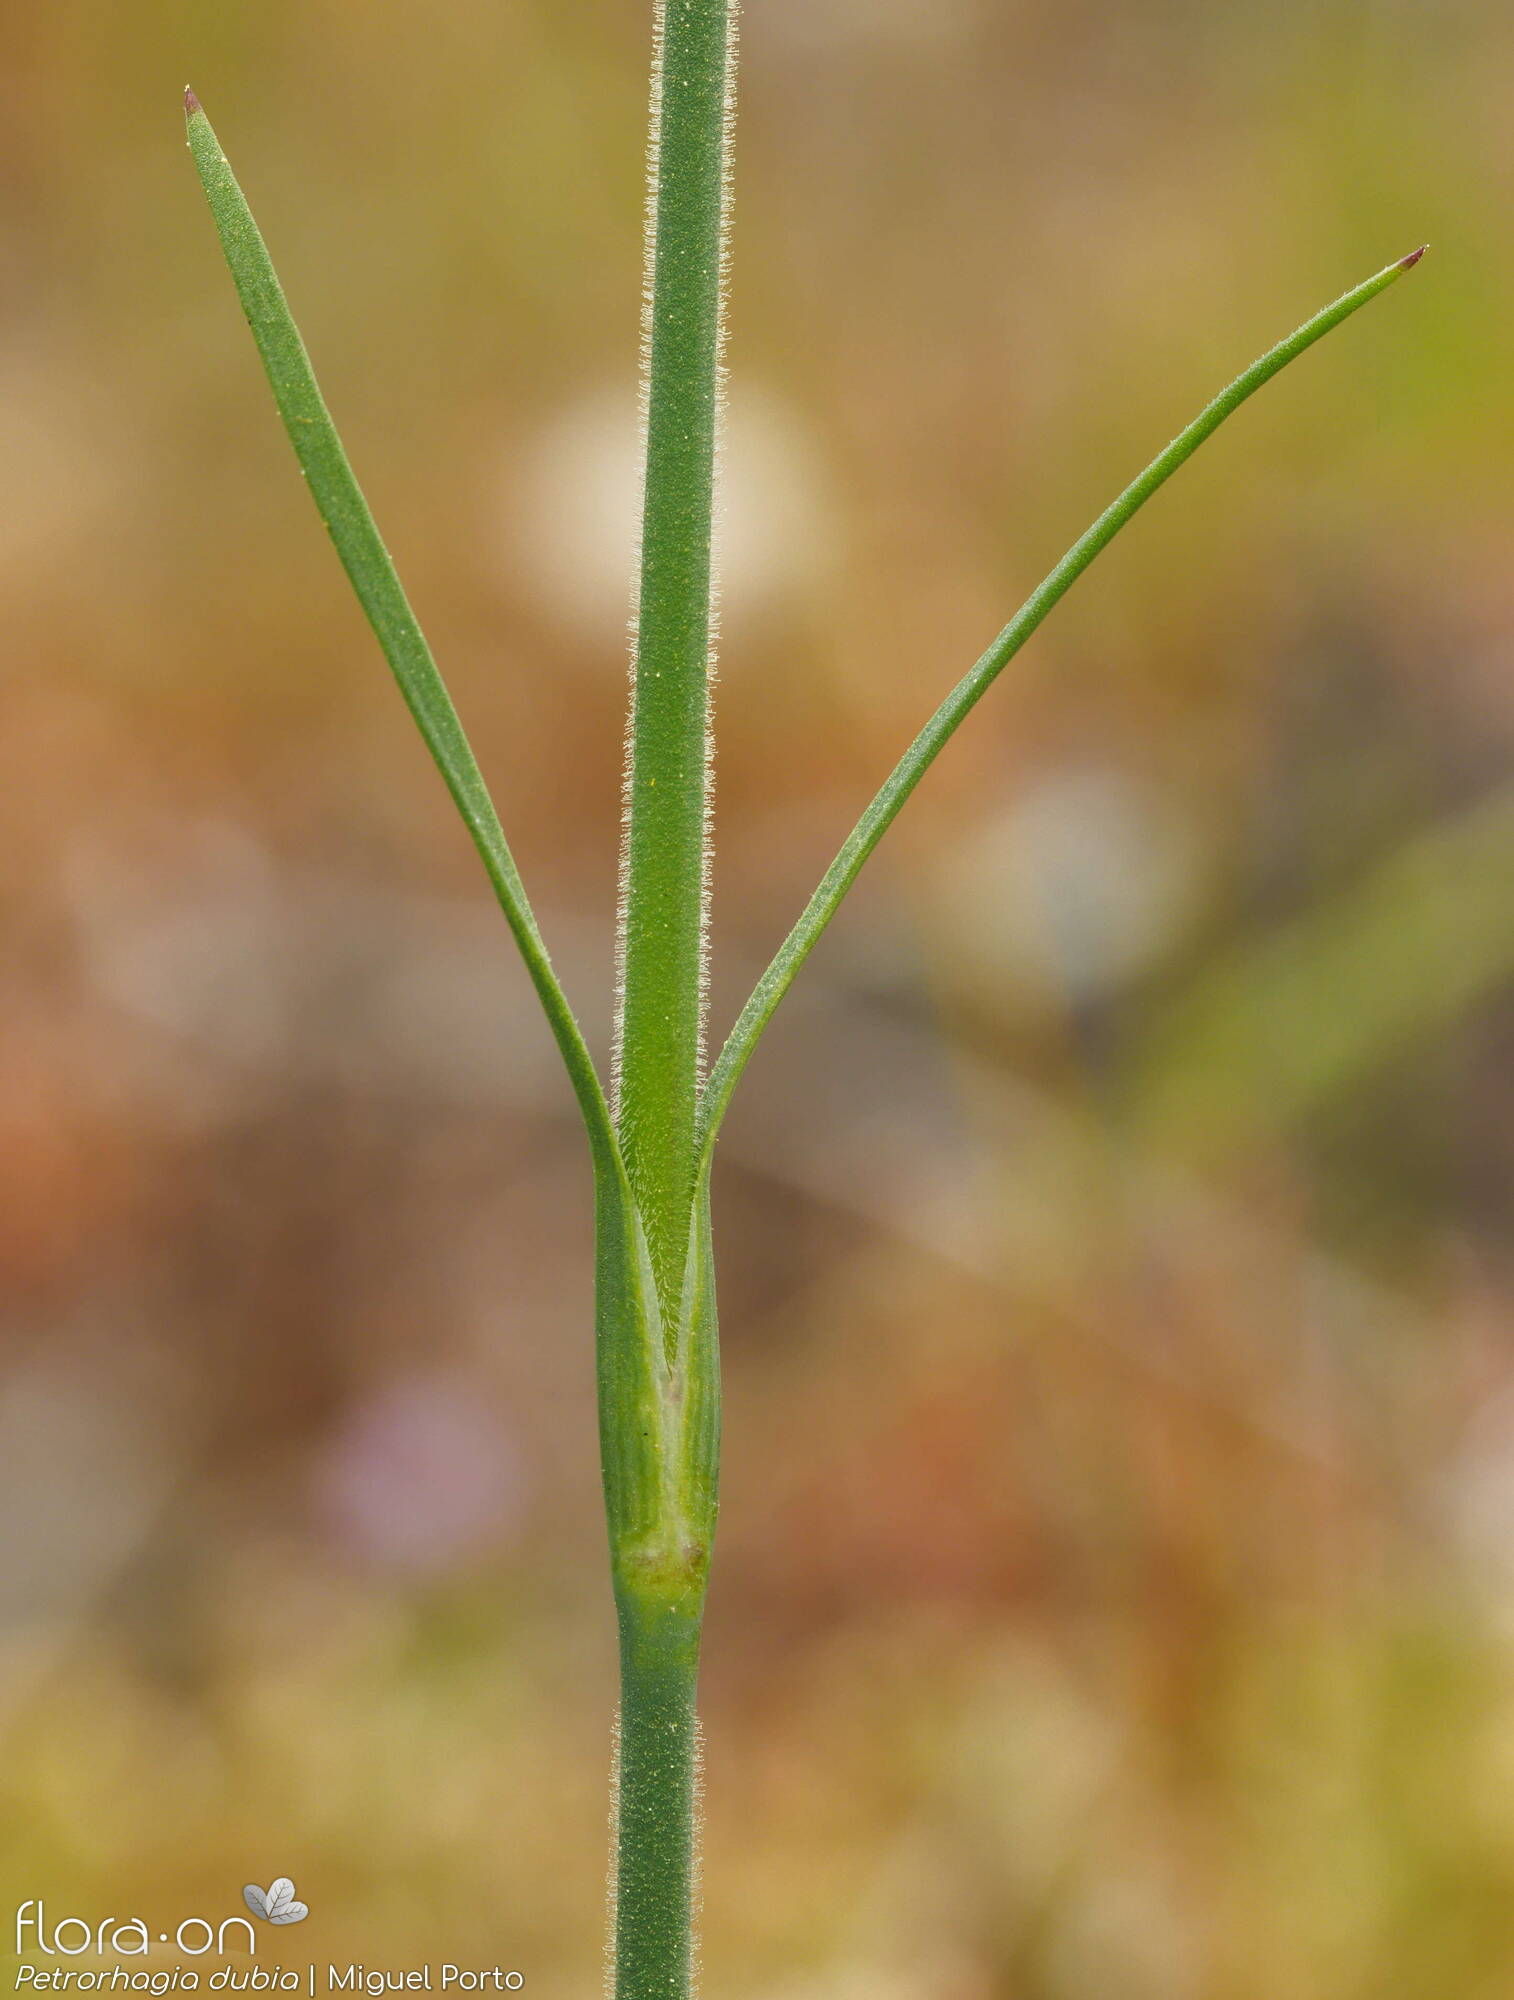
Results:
<point x="657" y="1805"/>
<point x="659" y="1386"/>
<point x="659" y="1406"/>
<point x="666" y="862"/>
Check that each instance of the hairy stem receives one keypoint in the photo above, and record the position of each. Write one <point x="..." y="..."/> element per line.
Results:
<point x="666" y="863"/>
<point x="658" y="1367"/>
<point x="657" y="1806"/>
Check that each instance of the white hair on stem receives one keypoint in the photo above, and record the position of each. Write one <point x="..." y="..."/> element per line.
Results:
<point x="612" y="1884"/>
<point x="696" y="1859"/>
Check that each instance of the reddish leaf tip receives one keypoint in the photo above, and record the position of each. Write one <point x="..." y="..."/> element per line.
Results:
<point x="191" y="102"/>
<point x="1408" y="263"/>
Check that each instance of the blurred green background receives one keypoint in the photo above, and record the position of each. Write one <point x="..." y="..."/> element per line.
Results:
<point x="1115" y="1598"/>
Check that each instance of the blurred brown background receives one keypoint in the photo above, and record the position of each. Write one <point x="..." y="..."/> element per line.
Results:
<point x="1116" y="1590"/>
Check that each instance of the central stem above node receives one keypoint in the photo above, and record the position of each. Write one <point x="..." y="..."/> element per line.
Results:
<point x="665" y="864"/>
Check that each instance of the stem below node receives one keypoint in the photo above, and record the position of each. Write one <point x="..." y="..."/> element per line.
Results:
<point x="657" y="1805"/>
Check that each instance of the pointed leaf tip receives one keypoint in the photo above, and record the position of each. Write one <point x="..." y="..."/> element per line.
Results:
<point x="191" y="102"/>
<point x="1408" y="263"/>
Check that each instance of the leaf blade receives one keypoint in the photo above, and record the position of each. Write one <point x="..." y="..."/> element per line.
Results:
<point x="888" y="801"/>
<point x="348" y="521"/>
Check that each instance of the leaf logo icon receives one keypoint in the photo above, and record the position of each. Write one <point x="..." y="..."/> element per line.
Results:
<point x="276" y="1904"/>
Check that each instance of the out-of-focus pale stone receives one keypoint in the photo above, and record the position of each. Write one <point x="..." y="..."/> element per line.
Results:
<point x="1079" y="885"/>
<point x="572" y="505"/>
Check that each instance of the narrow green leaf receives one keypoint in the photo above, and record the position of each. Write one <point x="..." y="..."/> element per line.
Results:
<point x="351" y="526"/>
<point x="964" y="697"/>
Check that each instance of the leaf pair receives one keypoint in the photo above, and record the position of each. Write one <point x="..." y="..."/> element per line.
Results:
<point x="361" y="549"/>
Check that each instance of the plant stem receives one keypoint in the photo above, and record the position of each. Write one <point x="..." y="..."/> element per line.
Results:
<point x="665" y="871"/>
<point x="657" y="1806"/>
<point x="658" y="1366"/>
<point x="660" y="1444"/>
